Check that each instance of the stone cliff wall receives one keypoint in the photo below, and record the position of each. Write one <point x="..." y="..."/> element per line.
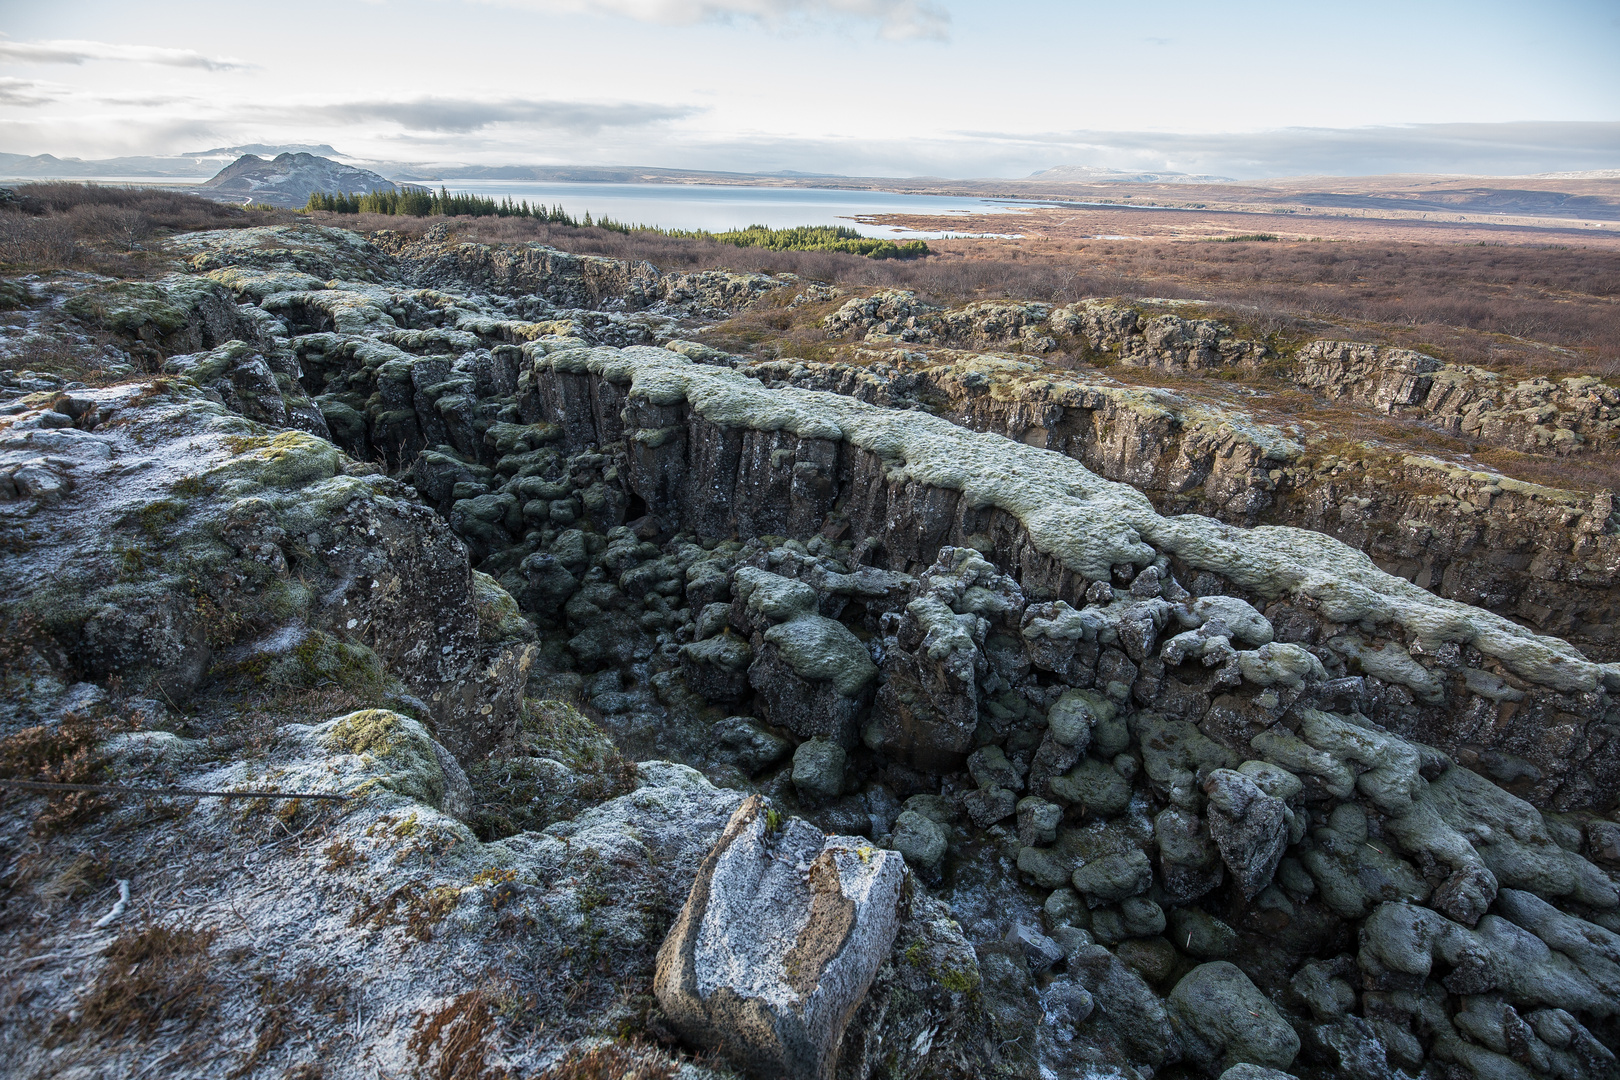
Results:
<point x="716" y="454"/>
<point x="1539" y="415"/>
<point x="1546" y="557"/>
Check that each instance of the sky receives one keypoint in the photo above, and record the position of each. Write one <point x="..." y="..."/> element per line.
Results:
<point x="962" y="88"/>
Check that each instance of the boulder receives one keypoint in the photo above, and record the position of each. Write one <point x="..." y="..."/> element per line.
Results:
<point x="818" y="769"/>
<point x="1255" y="1072"/>
<point x="766" y="963"/>
<point x="1095" y="787"/>
<point x="1224" y="1020"/>
<point x="716" y="668"/>
<point x="739" y="741"/>
<point x="1249" y="826"/>
<point x="1126" y="1005"/>
<point x="987" y="806"/>
<point x="1038" y="821"/>
<point x="1188" y="859"/>
<point x="920" y="840"/>
<point x="1112" y="878"/>
<point x="1200" y="934"/>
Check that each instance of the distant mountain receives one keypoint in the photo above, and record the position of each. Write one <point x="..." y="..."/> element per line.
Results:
<point x="1092" y="174"/>
<point x="49" y="167"/>
<point x="195" y="165"/>
<point x="290" y="179"/>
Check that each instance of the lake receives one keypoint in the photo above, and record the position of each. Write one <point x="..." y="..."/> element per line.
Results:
<point x="715" y="207"/>
<point x="718" y="207"/>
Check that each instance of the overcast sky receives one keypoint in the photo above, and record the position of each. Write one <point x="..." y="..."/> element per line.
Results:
<point x="875" y="87"/>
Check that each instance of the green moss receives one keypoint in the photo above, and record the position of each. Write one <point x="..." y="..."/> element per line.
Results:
<point x="283" y="598"/>
<point x="142" y="308"/>
<point x="498" y="614"/>
<point x="288" y="459"/>
<point x="818" y="648"/>
<point x="155" y="517"/>
<point x="958" y="981"/>
<point x="398" y="747"/>
<point x="370" y="732"/>
<point x="322" y="660"/>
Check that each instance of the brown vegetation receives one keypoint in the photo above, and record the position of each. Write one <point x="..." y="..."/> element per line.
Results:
<point x="452" y="1044"/>
<point x="286" y="1006"/>
<point x="1499" y="306"/>
<point x="152" y="976"/>
<point x="64" y="754"/>
<point x="612" y="1061"/>
<point x="104" y="229"/>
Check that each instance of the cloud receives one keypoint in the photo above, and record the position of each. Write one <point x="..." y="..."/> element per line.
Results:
<point x="463" y="115"/>
<point x="23" y="93"/>
<point x="77" y="52"/>
<point x="1500" y="149"/>
<point x="896" y="19"/>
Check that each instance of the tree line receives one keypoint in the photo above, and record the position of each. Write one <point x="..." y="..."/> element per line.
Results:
<point x="422" y="202"/>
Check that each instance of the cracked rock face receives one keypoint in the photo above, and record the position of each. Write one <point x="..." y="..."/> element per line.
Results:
<point x="777" y="944"/>
<point x="1035" y="777"/>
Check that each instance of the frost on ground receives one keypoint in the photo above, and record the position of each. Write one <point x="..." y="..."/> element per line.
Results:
<point x="374" y="937"/>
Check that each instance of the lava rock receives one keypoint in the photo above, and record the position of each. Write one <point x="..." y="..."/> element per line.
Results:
<point x="818" y="769"/>
<point x="1248" y="826"/>
<point x="920" y="840"/>
<point x="1225" y="1021"/>
<point x="1112" y="878"/>
<point x="739" y="741"/>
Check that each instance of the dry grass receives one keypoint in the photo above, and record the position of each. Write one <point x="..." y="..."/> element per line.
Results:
<point x="612" y="1061"/>
<point x="453" y="1043"/>
<point x="107" y="230"/>
<point x="64" y="754"/>
<point x="286" y="1006"/>
<point x="1469" y="303"/>
<point x="152" y="976"/>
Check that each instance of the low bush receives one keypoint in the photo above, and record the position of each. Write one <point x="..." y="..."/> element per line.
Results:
<point x="105" y="229"/>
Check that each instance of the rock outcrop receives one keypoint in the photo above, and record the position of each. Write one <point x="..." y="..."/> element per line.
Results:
<point x="1540" y="555"/>
<point x="1023" y="776"/>
<point x="168" y="540"/>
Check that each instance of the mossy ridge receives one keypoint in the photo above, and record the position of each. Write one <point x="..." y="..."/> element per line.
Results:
<point x="1088" y="523"/>
<point x="382" y="737"/>
<point x="141" y="308"/>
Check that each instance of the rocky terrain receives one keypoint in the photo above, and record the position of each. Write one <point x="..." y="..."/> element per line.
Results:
<point x="921" y="709"/>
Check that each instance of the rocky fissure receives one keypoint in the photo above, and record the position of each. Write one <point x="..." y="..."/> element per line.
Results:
<point x="956" y="757"/>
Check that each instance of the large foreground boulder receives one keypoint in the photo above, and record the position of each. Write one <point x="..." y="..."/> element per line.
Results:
<point x="778" y="942"/>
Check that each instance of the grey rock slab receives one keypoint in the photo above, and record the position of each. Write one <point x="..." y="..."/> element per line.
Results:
<point x="777" y="944"/>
